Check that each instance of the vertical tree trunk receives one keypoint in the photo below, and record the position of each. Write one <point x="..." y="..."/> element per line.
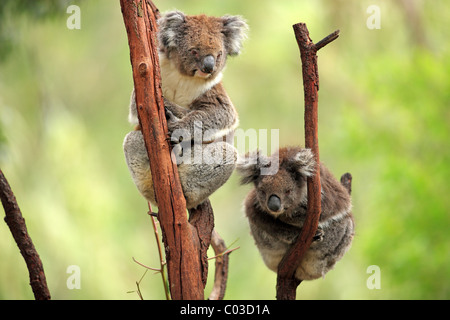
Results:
<point x="180" y="238"/>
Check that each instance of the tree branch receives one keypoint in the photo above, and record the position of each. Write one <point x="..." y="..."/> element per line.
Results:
<point x="16" y="223"/>
<point x="346" y="181"/>
<point x="221" y="274"/>
<point x="286" y="281"/>
<point x="331" y="37"/>
<point x="202" y="219"/>
<point x="181" y="243"/>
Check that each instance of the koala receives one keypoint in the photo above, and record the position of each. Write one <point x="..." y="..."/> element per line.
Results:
<point x="276" y="210"/>
<point x="201" y="118"/>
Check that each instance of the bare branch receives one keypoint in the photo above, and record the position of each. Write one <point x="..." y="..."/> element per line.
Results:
<point x="16" y="224"/>
<point x="147" y="267"/>
<point x="346" y="181"/>
<point x="286" y="281"/>
<point x="331" y="37"/>
<point x="221" y="275"/>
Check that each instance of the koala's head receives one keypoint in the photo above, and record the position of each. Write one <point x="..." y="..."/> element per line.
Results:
<point x="285" y="190"/>
<point x="199" y="45"/>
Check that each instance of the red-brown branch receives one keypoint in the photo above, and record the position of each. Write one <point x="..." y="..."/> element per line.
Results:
<point x="286" y="282"/>
<point x="16" y="223"/>
<point x="180" y="239"/>
<point x="202" y="219"/>
<point x="221" y="274"/>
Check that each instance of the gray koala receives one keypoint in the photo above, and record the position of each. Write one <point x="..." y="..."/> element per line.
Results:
<point x="276" y="210"/>
<point x="200" y="116"/>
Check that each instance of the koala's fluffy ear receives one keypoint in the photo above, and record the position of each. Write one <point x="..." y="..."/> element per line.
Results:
<point x="305" y="163"/>
<point x="235" y="30"/>
<point x="249" y="166"/>
<point x="168" y="26"/>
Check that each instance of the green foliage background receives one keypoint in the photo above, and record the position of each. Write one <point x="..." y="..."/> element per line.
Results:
<point x="384" y="116"/>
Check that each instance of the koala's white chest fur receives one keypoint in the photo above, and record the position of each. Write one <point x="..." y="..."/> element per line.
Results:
<point x="181" y="89"/>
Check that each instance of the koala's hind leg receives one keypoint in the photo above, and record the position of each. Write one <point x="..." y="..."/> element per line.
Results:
<point x="138" y="164"/>
<point x="199" y="177"/>
<point x="205" y="174"/>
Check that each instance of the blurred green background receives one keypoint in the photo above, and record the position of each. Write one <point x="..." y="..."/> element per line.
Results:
<point x="384" y="116"/>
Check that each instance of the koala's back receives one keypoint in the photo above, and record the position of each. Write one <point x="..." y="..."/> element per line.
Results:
<point x="323" y="255"/>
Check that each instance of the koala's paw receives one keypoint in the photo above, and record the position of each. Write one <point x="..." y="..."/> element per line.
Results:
<point x="319" y="235"/>
<point x="170" y="117"/>
<point x="171" y="140"/>
<point x="174" y="135"/>
<point x="177" y="152"/>
<point x="174" y="140"/>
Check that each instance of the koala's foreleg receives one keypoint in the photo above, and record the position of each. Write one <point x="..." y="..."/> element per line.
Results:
<point x="174" y="112"/>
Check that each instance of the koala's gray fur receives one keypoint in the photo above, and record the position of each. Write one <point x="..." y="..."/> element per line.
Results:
<point x="276" y="210"/>
<point x="192" y="54"/>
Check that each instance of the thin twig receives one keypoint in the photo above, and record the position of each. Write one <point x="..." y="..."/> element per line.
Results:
<point x="161" y="257"/>
<point x="223" y="253"/>
<point x="146" y="267"/>
<point x="138" y="285"/>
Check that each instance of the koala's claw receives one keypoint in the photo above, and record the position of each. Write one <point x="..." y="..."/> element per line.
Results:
<point x="170" y="117"/>
<point x="319" y="235"/>
<point x="172" y="140"/>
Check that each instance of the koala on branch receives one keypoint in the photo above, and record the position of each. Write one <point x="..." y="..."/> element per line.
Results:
<point x="276" y="210"/>
<point x="192" y="53"/>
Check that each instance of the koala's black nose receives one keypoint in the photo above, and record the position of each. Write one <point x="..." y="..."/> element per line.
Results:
<point x="208" y="64"/>
<point x="274" y="203"/>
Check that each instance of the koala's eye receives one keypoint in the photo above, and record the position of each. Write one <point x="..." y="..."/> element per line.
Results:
<point x="288" y="192"/>
<point x="219" y="55"/>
